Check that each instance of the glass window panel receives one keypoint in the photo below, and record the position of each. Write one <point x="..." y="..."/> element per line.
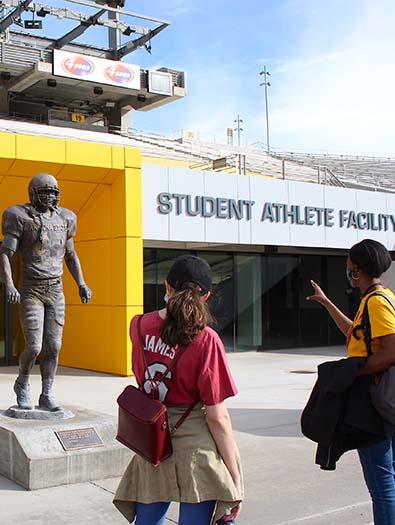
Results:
<point x="248" y="302"/>
<point x="222" y="300"/>
<point x="313" y="330"/>
<point x="280" y="323"/>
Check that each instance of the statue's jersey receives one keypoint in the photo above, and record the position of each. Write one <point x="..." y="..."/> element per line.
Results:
<point x="40" y="240"/>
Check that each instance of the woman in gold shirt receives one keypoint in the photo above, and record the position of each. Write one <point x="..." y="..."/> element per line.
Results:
<point x="366" y="263"/>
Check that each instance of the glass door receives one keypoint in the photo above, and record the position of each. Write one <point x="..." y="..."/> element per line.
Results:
<point x="280" y="301"/>
<point x="248" y="316"/>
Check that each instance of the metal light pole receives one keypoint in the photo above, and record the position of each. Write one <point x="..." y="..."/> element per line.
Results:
<point x="238" y="129"/>
<point x="266" y="83"/>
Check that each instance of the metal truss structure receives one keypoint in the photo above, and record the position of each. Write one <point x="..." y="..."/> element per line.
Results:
<point x="13" y="9"/>
<point x="33" y="88"/>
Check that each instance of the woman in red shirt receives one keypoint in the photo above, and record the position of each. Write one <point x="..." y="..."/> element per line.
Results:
<point x="204" y="472"/>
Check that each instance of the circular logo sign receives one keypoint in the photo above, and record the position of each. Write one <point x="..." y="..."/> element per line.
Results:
<point x="78" y="65"/>
<point x="119" y="74"/>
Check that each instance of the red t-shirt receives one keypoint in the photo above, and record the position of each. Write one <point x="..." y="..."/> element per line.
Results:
<point x="202" y="371"/>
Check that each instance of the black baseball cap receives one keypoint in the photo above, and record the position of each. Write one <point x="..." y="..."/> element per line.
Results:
<point x="190" y="269"/>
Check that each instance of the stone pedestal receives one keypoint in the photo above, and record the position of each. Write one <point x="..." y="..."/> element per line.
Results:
<point x="45" y="453"/>
<point x="38" y="413"/>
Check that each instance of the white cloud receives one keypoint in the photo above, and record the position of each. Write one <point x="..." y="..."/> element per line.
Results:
<point x="341" y="100"/>
<point x="332" y="81"/>
<point x="305" y="63"/>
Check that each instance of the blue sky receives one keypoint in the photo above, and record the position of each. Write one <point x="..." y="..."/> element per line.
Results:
<point x="331" y="67"/>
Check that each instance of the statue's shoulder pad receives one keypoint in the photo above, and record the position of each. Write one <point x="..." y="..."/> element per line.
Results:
<point x="67" y="214"/>
<point x="17" y="211"/>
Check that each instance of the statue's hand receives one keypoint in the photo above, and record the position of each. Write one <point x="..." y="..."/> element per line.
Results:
<point x="85" y="293"/>
<point x="12" y="294"/>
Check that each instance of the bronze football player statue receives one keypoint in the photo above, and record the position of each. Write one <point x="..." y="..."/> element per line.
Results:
<point x="42" y="232"/>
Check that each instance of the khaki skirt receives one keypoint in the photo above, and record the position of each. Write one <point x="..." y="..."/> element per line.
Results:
<point x="193" y="474"/>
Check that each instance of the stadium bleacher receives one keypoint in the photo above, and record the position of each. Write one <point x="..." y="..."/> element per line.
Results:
<point x="370" y="173"/>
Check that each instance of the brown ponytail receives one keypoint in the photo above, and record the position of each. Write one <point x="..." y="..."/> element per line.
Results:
<point x="187" y="315"/>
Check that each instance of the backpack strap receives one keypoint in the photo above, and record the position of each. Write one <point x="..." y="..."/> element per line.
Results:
<point x="365" y="325"/>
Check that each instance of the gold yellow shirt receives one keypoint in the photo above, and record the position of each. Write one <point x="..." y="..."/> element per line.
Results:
<point x="382" y="322"/>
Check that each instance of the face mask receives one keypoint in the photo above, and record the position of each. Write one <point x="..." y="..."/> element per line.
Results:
<point x="166" y="298"/>
<point x="349" y="277"/>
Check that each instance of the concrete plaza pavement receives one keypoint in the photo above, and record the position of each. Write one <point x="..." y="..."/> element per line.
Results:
<point x="283" y="485"/>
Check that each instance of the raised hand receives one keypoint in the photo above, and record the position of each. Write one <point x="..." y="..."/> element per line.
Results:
<point x="318" y="296"/>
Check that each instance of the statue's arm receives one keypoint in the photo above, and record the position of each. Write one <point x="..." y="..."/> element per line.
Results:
<point x="74" y="266"/>
<point x="12" y="293"/>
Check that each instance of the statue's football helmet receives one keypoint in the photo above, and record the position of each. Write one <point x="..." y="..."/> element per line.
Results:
<point x="44" y="191"/>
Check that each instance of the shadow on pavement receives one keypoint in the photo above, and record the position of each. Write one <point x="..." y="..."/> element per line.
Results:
<point x="266" y="422"/>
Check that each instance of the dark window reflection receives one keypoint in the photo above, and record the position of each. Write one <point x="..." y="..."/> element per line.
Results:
<point x="259" y="300"/>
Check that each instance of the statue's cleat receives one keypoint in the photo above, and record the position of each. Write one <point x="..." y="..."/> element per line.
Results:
<point x="22" y="391"/>
<point x="48" y="403"/>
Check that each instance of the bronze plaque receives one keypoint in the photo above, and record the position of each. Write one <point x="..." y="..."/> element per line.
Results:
<point x="79" y="438"/>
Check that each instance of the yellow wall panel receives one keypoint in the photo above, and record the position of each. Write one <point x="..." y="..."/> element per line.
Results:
<point x="111" y="176"/>
<point x="127" y="256"/>
<point x="135" y="273"/>
<point x="132" y="157"/>
<point x="120" y="340"/>
<point x="74" y="172"/>
<point x="94" y="219"/>
<point x="87" y="337"/>
<point x="7" y="150"/>
<point x="102" y="333"/>
<point x="118" y="206"/>
<point x="13" y="191"/>
<point x="134" y="210"/>
<point x="121" y="323"/>
<point x="96" y="262"/>
<point x="29" y="168"/>
<point x="118" y="157"/>
<point x="73" y="195"/>
<point x="127" y="205"/>
<point x="70" y="288"/>
<point x="88" y="154"/>
<point x="118" y="271"/>
<point x="35" y="154"/>
<point x="40" y="149"/>
<point x="118" y="164"/>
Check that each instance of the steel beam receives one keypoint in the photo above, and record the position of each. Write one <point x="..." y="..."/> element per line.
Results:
<point x="79" y="30"/>
<point x="61" y="12"/>
<point x="10" y="19"/>
<point x="123" y="12"/>
<point x="138" y="42"/>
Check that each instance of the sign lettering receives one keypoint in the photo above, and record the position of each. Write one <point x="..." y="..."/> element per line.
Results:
<point x="272" y="212"/>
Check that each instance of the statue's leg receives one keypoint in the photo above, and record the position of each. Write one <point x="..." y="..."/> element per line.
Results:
<point x="53" y="332"/>
<point x="31" y="313"/>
